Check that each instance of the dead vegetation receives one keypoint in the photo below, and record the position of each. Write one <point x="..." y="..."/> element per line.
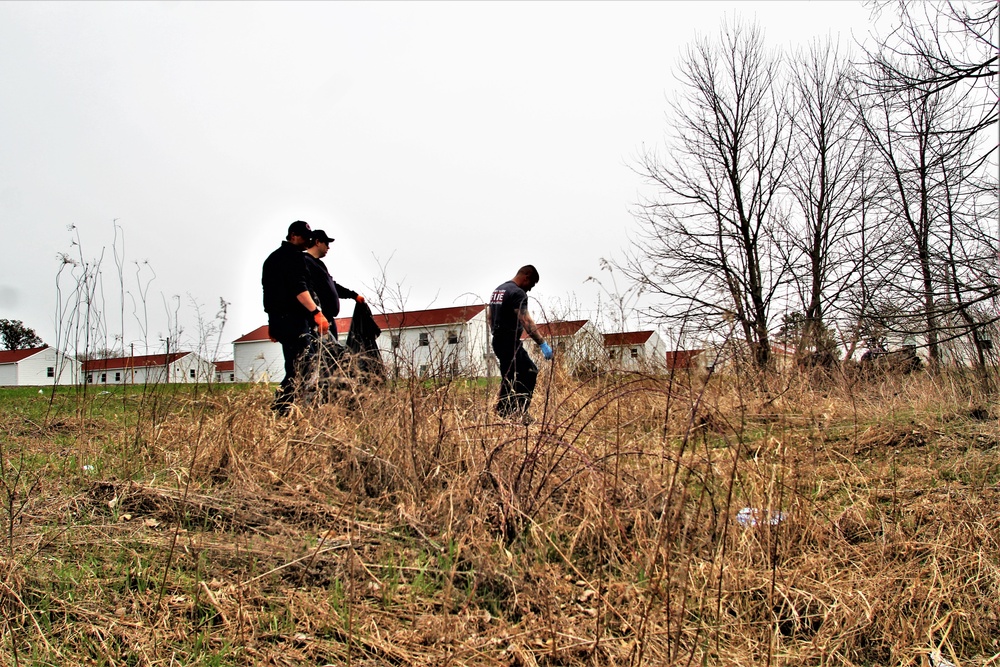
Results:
<point x="409" y="527"/>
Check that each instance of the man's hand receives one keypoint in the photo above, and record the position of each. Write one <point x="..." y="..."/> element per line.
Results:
<point x="322" y="323"/>
<point x="546" y="350"/>
<point x="359" y="299"/>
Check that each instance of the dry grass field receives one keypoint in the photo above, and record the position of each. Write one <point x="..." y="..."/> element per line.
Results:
<point x="800" y="520"/>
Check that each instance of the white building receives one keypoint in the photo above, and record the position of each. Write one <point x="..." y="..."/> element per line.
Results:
<point x="148" y="369"/>
<point x="636" y="350"/>
<point x="35" y="367"/>
<point x="439" y="342"/>
<point x="257" y="358"/>
<point x="434" y="342"/>
<point x="225" y="371"/>
<point x="576" y="343"/>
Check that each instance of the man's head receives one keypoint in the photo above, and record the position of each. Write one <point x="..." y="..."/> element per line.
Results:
<point x="527" y="277"/>
<point x="299" y="234"/>
<point x="320" y="243"/>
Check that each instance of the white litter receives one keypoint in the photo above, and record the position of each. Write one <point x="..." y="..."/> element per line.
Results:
<point x="937" y="660"/>
<point x="751" y="516"/>
<point x="88" y="468"/>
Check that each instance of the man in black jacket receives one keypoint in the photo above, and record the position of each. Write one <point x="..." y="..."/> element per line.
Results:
<point x="292" y="314"/>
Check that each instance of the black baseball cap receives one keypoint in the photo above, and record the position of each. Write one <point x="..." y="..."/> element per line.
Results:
<point x="319" y="236"/>
<point x="300" y="228"/>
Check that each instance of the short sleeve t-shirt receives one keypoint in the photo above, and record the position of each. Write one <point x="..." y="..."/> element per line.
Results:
<point x="506" y="305"/>
<point x="323" y="288"/>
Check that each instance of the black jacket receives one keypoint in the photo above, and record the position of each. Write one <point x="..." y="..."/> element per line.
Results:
<point x="325" y="289"/>
<point x="284" y="277"/>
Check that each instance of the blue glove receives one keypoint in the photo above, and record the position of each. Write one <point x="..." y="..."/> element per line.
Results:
<point x="546" y="350"/>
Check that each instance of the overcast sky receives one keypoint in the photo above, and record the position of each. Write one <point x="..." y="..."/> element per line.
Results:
<point x="446" y="143"/>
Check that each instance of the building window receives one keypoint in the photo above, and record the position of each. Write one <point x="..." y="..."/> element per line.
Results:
<point x="425" y="339"/>
<point x="635" y="353"/>
<point x="192" y="373"/>
<point x="50" y="372"/>
<point x="395" y="341"/>
<point x="118" y="376"/>
<point x="104" y="378"/>
<point x="90" y="378"/>
<point x="423" y="370"/>
<point x="232" y="377"/>
<point x="453" y="338"/>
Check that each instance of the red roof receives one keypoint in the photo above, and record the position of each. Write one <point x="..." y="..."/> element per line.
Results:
<point x="626" y="338"/>
<point x="14" y="356"/>
<point x="433" y="317"/>
<point x="260" y="333"/>
<point x="559" y="329"/>
<point x="142" y="361"/>
<point x="225" y="366"/>
<point x="681" y="358"/>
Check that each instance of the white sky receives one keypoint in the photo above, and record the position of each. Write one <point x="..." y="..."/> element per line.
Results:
<point x="461" y="140"/>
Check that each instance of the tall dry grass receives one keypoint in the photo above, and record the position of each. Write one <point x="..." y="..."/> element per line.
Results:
<point x="405" y="524"/>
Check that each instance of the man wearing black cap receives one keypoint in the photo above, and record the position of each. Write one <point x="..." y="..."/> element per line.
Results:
<point x="325" y="288"/>
<point x="328" y="294"/>
<point x="292" y="314"/>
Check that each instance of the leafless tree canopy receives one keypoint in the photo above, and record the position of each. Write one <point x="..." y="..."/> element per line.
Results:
<point x="859" y="195"/>
<point x="826" y="183"/>
<point x="708" y="243"/>
<point x="937" y="47"/>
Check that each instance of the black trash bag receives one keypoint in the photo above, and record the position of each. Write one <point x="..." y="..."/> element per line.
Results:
<point x="366" y="358"/>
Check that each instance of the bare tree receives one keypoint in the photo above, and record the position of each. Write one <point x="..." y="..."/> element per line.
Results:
<point x="933" y="202"/>
<point x="825" y="179"/>
<point x="939" y="46"/>
<point x="706" y="245"/>
<point x="952" y="47"/>
<point x="969" y="208"/>
<point x="869" y="254"/>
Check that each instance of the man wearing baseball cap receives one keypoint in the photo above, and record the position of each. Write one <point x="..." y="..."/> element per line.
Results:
<point x="325" y="288"/>
<point x="292" y="314"/>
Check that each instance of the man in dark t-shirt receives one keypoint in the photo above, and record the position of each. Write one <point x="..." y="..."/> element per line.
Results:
<point x="328" y="291"/>
<point x="509" y="320"/>
<point x="328" y="294"/>
<point x="292" y="314"/>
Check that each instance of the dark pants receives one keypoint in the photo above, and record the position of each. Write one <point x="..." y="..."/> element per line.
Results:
<point x="298" y="347"/>
<point x="519" y="374"/>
